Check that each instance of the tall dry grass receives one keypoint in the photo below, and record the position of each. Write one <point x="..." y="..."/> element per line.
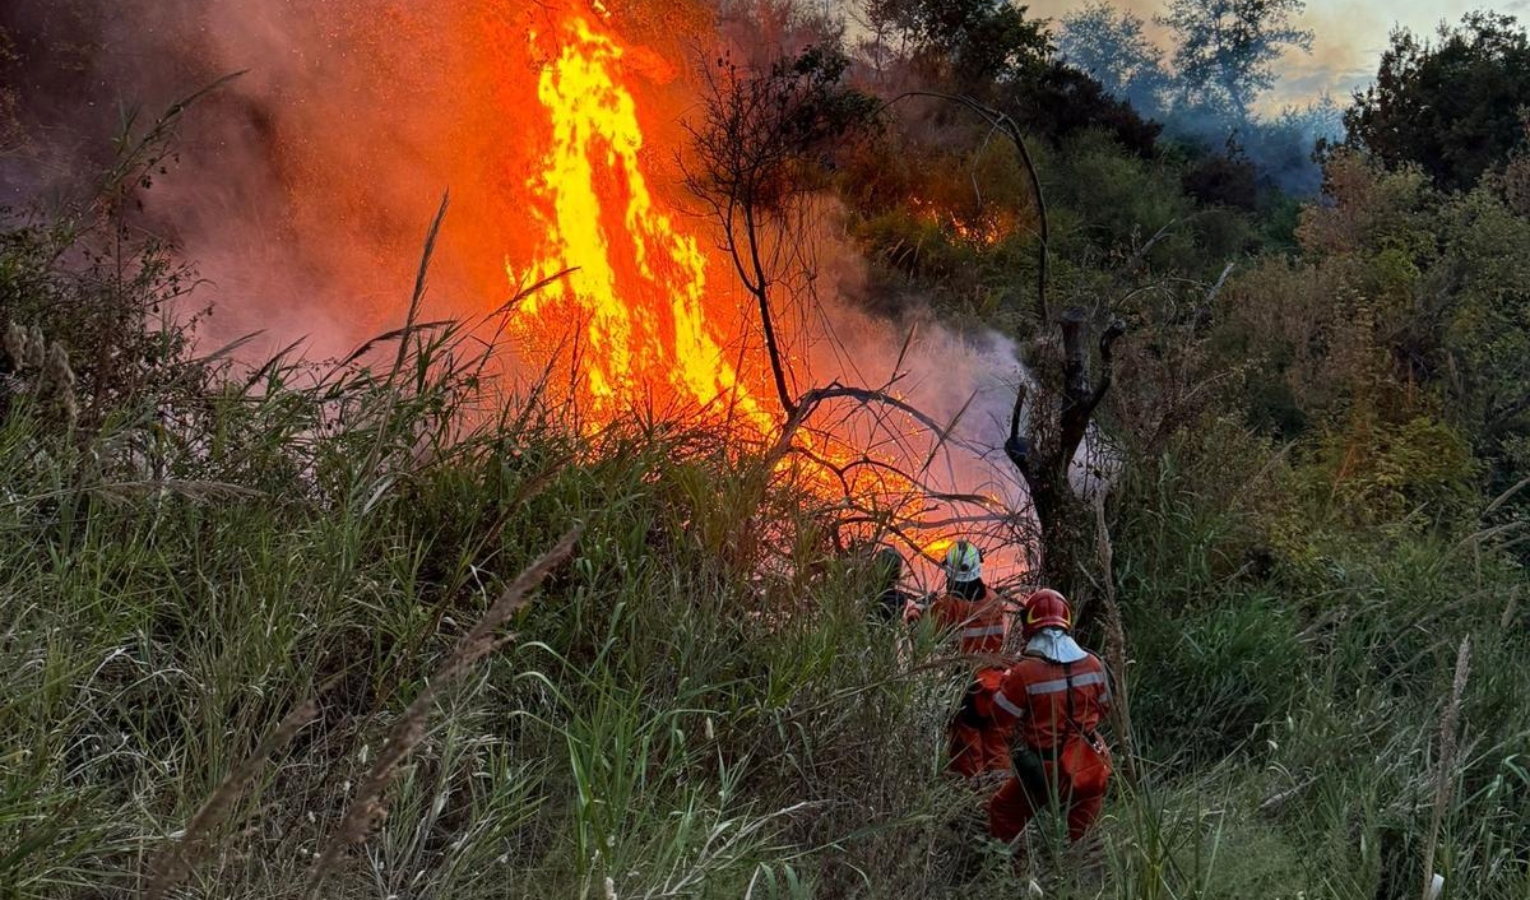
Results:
<point x="698" y="704"/>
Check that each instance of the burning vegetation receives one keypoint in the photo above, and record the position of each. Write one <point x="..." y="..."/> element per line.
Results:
<point x="575" y="572"/>
<point x="628" y="310"/>
<point x="630" y="304"/>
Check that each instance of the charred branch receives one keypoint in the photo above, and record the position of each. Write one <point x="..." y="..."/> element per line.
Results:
<point x="1043" y="459"/>
<point x="1017" y="448"/>
<point x="1079" y="402"/>
<point x="1112" y="333"/>
<point x="759" y="143"/>
<point x="1075" y="356"/>
<point x="816" y="397"/>
<point x="767" y="319"/>
<point x="1082" y="401"/>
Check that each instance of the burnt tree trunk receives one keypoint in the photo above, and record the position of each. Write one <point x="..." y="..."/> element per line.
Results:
<point x="1044" y="460"/>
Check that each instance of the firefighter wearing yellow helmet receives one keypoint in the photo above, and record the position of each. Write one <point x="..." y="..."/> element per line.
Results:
<point x="977" y="617"/>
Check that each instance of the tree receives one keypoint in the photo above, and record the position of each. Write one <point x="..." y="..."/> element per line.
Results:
<point x="969" y="44"/>
<point x="1227" y="50"/>
<point x="760" y="144"/>
<point x="1061" y="101"/>
<point x="1111" y="48"/>
<point x="1050" y="423"/>
<point x="770" y="139"/>
<point x="1452" y="108"/>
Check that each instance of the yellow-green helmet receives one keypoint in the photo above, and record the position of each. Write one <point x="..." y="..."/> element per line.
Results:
<point x="964" y="562"/>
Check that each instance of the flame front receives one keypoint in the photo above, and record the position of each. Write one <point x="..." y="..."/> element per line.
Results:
<point x="627" y="312"/>
<point x="633" y="314"/>
<point x="633" y="317"/>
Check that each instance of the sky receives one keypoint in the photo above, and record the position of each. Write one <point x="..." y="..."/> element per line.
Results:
<point x="1349" y="37"/>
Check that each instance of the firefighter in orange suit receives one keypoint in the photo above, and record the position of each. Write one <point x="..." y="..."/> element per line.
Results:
<point x="1055" y="698"/>
<point x="979" y="617"/>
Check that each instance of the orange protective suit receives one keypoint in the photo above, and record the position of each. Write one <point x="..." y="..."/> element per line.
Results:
<point x="978" y="740"/>
<point x="1055" y="709"/>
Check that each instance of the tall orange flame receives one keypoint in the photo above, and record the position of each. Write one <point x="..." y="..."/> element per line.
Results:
<point x="635" y="320"/>
<point x="637" y="298"/>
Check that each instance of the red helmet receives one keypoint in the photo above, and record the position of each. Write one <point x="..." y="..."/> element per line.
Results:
<point x="1046" y="609"/>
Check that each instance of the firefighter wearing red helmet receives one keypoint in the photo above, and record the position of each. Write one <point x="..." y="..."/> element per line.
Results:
<point x="1054" y="698"/>
<point x="978" y="617"/>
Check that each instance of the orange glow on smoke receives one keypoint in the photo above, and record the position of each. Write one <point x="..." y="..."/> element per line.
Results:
<point x="637" y="310"/>
<point x="639" y="321"/>
<point x="637" y="314"/>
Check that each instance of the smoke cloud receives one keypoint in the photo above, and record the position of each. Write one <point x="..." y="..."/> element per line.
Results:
<point x="1350" y="37"/>
<point x="303" y="189"/>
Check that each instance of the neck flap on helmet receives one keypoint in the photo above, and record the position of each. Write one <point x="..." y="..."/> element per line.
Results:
<point x="1055" y="645"/>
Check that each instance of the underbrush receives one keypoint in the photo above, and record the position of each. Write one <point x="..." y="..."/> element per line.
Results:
<point x="699" y="703"/>
<point x="1305" y="689"/>
<point x="665" y="721"/>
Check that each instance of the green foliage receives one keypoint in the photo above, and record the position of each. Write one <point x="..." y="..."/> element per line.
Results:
<point x="1225" y="676"/>
<point x="1226" y="49"/>
<point x="1315" y="512"/>
<point x="1118" y="199"/>
<point x="671" y="717"/>
<point x="638" y="732"/>
<point x="1223" y="180"/>
<point x="1059" y="101"/>
<point x="1300" y="661"/>
<point x="1403" y="320"/>
<point x="1109" y="45"/>
<point x="973" y="44"/>
<point x="1453" y="107"/>
<point x="111" y="309"/>
<point x="1375" y="473"/>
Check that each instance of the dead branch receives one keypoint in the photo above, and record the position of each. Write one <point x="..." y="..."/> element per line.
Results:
<point x="814" y="398"/>
<point x="1216" y="289"/>
<point x="1115" y="641"/>
<point x="949" y="430"/>
<point x="1080" y="401"/>
<point x="767" y="317"/>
